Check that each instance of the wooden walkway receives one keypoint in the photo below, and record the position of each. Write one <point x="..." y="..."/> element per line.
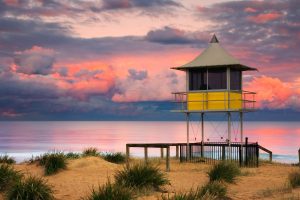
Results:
<point x="245" y="154"/>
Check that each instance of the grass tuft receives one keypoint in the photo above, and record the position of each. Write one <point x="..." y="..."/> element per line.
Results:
<point x="8" y="176"/>
<point x="7" y="159"/>
<point x="53" y="162"/>
<point x="32" y="188"/>
<point x="114" y="157"/>
<point x="294" y="178"/>
<point x="226" y="171"/>
<point x="72" y="155"/>
<point x="141" y="176"/>
<point x="91" y="151"/>
<point x="215" y="188"/>
<point x="111" y="192"/>
<point x="212" y="190"/>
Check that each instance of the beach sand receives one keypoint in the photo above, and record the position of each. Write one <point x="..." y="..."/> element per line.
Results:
<point x="266" y="182"/>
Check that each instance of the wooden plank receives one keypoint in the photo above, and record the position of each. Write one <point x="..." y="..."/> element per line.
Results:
<point x="161" y="152"/>
<point x="168" y="160"/>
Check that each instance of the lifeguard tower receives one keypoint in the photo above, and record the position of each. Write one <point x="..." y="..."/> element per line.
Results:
<point x="214" y="85"/>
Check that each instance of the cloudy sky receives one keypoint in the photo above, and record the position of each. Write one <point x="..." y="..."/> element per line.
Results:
<point x="111" y="59"/>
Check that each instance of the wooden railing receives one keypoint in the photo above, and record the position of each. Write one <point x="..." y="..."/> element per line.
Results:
<point x="245" y="154"/>
<point x="247" y="99"/>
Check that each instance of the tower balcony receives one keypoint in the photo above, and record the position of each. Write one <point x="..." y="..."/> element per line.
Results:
<point x="214" y="101"/>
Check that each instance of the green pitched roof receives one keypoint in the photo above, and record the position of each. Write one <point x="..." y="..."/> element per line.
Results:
<point x="214" y="56"/>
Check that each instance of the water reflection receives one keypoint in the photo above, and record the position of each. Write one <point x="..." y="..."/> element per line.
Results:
<point x="23" y="139"/>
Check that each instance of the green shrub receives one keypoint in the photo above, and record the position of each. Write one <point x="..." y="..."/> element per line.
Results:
<point x="215" y="188"/>
<point x="91" y="151"/>
<point x="53" y="162"/>
<point x="32" y="188"/>
<point x="114" y="157"/>
<point x="226" y="171"/>
<point x="294" y="178"/>
<point x="111" y="192"/>
<point x="6" y="159"/>
<point x="8" y="176"/>
<point x="141" y="176"/>
<point x="72" y="155"/>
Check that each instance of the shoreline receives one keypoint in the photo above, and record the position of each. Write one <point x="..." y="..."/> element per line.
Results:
<point x="82" y="174"/>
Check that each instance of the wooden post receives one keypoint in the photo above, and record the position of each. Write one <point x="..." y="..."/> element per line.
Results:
<point x="146" y="154"/>
<point x="257" y="154"/>
<point x="246" y="151"/>
<point x="161" y="152"/>
<point x="270" y="156"/>
<point x="299" y="156"/>
<point x="127" y="155"/>
<point x="223" y="152"/>
<point x="240" y="155"/>
<point x="168" y="159"/>
<point x="177" y="152"/>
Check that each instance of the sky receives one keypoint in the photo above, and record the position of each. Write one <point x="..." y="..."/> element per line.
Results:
<point x="111" y="59"/>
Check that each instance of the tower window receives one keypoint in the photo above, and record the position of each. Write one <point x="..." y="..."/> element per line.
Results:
<point x="235" y="79"/>
<point x="198" y="79"/>
<point x="217" y="79"/>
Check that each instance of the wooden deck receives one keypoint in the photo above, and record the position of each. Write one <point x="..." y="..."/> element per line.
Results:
<point x="245" y="154"/>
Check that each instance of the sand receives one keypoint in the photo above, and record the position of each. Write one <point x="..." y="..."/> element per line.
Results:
<point x="266" y="182"/>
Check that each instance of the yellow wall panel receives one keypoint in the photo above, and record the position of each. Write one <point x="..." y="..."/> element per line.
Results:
<point x="214" y="101"/>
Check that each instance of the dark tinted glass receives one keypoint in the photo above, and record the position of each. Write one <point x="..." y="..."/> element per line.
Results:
<point x="198" y="79"/>
<point x="217" y="79"/>
<point x="235" y="79"/>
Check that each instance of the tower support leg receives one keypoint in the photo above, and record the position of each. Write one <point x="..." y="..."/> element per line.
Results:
<point x="188" y="136"/>
<point x="229" y="136"/>
<point x="202" y="135"/>
<point x="242" y="137"/>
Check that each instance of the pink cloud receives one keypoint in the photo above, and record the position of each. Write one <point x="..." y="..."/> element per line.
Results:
<point x="273" y="93"/>
<point x="250" y="10"/>
<point x="266" y="17"/>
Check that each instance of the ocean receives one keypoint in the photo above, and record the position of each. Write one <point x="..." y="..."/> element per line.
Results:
<point x="22" y="140"/>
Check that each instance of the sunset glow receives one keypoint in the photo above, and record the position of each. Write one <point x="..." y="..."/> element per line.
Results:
<point x="113" y="58"/>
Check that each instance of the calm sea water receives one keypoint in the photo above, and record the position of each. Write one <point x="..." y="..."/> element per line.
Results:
<point x="24" y="139"/>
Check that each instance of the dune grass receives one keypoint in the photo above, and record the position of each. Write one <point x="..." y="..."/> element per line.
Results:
<point x="224" y="171"/>
<point x="53" y="162"/>
<point x="210" y="191"/>
<point x="111" y="191"/>
<point x="7" y="159"/>
<point x="72" y="155"/>
<point x="117" y="158"/>
<point x="32" y="188"/>
<point x="214" y="188"/>
<point x="8" y="176"/>
<point x="91" y="151"/>
<point x="294" y="178"/>
<point x="141" y="176"/>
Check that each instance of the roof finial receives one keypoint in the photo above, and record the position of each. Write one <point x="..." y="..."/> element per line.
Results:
<point x="214" y="39"/>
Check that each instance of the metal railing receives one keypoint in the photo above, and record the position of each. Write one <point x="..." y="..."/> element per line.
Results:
<point x="247" y="100"/>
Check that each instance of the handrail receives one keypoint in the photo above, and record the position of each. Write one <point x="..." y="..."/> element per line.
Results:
<point x="267" y="151"/>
